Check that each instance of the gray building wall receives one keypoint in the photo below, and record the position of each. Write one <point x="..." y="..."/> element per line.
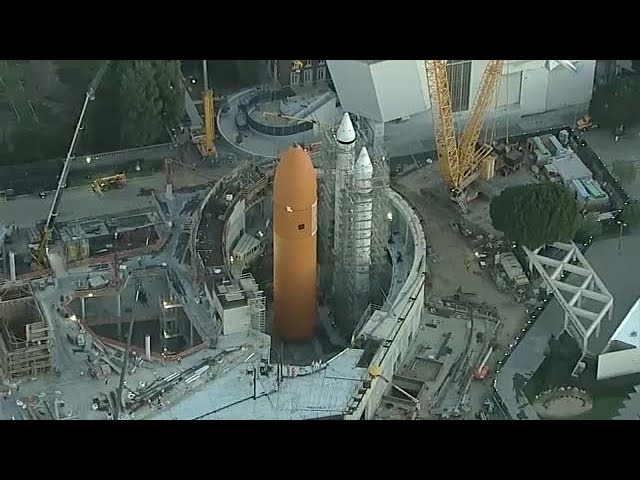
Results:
<point x="534" y="94"/>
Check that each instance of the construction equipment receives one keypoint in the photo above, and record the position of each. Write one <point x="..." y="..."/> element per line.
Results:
<point x="460" y="158"/>
<point x="206" y="142"/>
<point x="40" y="254"/>
<point x="78" y="340"/>
<point x="585" y="123"/>
<point x="105" y="184"/>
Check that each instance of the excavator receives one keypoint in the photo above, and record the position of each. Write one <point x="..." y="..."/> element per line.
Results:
<point x="460" y="157"/>
<point x="42" y="248"/>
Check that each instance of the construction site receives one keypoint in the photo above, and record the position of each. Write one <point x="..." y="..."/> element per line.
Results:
<point x="341" y="294"/>
<point x="24" y="334"/>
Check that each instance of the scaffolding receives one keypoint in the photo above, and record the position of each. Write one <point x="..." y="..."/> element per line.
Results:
<point x="25" y="341"/>
<point x="256" y="300"/>
<point x="337" y="253"/>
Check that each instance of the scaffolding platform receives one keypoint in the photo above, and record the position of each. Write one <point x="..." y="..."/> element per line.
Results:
<point x="25" y="336"/>
<point x="340" y="243"/>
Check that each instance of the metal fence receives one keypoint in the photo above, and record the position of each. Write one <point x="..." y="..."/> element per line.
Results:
<point x="33" y="177"/>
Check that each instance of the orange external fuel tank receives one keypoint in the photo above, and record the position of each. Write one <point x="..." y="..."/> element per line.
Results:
<point x="295" y="207"/>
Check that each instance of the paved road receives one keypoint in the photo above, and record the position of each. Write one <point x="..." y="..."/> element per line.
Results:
<point x="81" y="202"/>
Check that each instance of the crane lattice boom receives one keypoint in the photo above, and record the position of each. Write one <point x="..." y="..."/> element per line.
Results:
<point x="459" y="161"/>
<point x="440" y="97"/>
<point x="470" y="155"/>
<point x="47" y="231"/>
<point x="209" y="125"/>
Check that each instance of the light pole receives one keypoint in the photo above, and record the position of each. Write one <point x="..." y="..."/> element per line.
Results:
<point x="622" y="225"/>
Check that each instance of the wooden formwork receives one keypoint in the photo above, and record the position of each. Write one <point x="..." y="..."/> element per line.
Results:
<point x="25" y="350"/>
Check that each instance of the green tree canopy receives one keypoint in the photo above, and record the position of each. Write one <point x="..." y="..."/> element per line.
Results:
<point x="631" y="214"/>
<point x="535" y="215"/>
<point x="151" y="99"/>
<point x="625" y="172"/>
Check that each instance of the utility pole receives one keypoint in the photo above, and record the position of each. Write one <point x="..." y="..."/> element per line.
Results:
<point x="123" y="372"/>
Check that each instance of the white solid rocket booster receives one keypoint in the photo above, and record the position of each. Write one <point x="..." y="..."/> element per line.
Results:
<point x="362" y="228"/>
<point x="346" y="157"/>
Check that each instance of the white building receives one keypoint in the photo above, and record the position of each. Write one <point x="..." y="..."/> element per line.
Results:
<point x="534" y="94"/>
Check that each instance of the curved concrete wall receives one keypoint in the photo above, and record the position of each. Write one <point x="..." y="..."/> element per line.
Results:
<point x="406" y="314"/>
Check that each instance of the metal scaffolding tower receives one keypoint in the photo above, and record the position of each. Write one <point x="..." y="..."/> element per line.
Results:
<point x="256" y="300"/>
<point x="339" y="244"/>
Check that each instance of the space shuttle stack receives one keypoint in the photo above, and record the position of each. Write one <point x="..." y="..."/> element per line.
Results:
<point x="362" y="228"/>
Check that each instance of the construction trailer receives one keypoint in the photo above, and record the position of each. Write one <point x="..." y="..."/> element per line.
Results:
<point x="25" y="336"/>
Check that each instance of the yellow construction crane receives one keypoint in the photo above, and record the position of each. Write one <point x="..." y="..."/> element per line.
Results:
<point x="206" y="143"/>
<point x="460" y="158"/>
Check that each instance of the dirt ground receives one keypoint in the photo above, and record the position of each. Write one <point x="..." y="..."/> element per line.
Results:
<point x="451" y="252"/>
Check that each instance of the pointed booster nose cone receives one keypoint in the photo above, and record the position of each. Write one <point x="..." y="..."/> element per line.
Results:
<point x="363" y="164"/>
<point x="346" y="133"/>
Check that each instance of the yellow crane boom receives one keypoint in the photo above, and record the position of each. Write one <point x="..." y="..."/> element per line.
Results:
<point x="470" y="155"/>
<point x="207" y="143"/>
<point x="209" y="124"/>
<point x="459" y="161"/>
<point x="440" y="98"/>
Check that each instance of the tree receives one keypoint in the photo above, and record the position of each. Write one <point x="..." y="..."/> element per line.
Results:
<point x="151" y="99"/>
<point x="625" y="172"/>
<point x="535" y="215"/>
<point x="631" y="214"/>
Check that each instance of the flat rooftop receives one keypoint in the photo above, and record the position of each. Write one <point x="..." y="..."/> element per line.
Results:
<point x="231" y="396"/>
<point x="107" y="224"/>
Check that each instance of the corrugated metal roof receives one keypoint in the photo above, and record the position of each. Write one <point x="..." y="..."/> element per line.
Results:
<point x="570" y="167"/>
<point x="230" y="397"/>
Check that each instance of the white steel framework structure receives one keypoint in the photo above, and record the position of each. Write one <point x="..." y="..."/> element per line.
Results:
<point x="581" y="293"/>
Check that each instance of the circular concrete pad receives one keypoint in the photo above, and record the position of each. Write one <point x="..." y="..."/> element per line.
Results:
<point x="563" y="402"/>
